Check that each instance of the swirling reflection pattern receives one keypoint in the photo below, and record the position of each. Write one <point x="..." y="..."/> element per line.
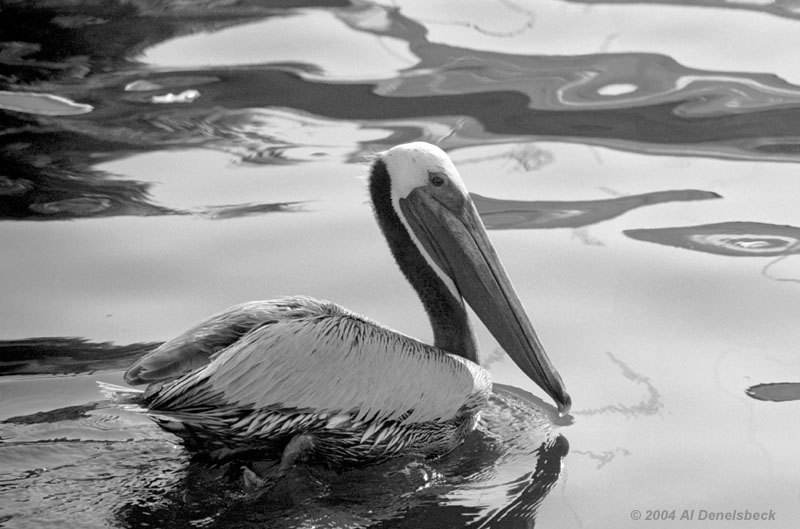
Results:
<point x="735" y="239"/>
<point x="783" y="8"/>
<point x="521" y="214"/>
<point x="459" y="96"/>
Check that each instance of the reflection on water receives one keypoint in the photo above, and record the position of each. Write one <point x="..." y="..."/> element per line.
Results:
<point x="775" y="392"/>
<point x="735" y="239"/>
<point x="784" y="8"/>
<point x="56" y="356"/>
<point x="519" y="214"/>
<point x="100" y="100"/>
<point x="116" y="463"/>
<point x="49" y="176"/>
<point x="44" y="104"/>
<point x="48" y="161"/>
<point x="496" y="94"/>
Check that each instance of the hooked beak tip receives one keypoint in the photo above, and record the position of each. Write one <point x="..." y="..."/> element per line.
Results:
<point x="564" y="405"/>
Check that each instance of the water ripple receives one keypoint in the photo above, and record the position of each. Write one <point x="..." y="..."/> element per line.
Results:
<point x="64" y="185"/>
<point x="650" y="405"/>
<point x="500" y="214"/>
<point x="116" y="464"/>
<point x="735" y="239"/>
<point x="782" y="8"/>
<point x="61" y="355"/>
<point x="775" y="392"/>
<point x="609" y="97"/>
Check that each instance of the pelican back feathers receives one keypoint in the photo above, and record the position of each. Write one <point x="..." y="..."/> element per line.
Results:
<point x="197" y="346"/>
<point x="323" y="370"/>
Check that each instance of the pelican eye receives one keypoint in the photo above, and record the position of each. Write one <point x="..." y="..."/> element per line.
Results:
<point x="437" y="179"/>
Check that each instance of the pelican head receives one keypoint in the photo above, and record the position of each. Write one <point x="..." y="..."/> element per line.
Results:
<point x="434" y="206"/>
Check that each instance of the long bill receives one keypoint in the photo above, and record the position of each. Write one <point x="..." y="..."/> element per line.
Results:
<point x="455" y="238"/>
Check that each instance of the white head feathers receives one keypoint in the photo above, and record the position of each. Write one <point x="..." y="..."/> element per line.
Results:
<point x="410" y="165"/>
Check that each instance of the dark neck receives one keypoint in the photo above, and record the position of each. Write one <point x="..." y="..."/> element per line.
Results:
<point x="448" y="316"/>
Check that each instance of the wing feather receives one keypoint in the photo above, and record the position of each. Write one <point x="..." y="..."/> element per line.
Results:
<point x="194" y="348"/>
<point x="328" y="360"/>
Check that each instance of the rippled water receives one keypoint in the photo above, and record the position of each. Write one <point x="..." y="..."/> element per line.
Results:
<point x="99" y="464"/>
<point x="635" y="162"/>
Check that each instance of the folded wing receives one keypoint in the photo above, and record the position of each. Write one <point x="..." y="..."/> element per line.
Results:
<point x="194" y="348"/>
<point x="327" y="360"/>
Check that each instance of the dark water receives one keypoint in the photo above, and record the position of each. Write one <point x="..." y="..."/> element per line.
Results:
<point x="98" y="464"/>
<point x="636" y="162"/>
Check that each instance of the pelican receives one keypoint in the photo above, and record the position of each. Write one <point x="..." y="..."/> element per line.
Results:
<point x="297" y="378"/>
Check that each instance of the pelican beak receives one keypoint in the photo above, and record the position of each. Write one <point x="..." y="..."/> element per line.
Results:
<point x="452" y="233"/>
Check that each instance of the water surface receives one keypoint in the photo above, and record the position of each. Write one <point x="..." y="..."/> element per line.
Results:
<point x="634" y="161"/>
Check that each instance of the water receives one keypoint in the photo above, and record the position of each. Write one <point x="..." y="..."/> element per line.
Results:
<point x="634" y="161"/>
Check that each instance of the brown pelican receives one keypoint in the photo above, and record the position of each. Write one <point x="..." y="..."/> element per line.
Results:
<point x="297" y="377"/>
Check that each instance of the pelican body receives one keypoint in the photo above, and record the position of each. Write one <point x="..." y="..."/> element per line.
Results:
<point x="298" y="377"/>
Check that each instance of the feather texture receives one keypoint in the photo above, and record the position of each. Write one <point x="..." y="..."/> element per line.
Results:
<point x="312" y="366"/>
<point x="326" y="359"/>
<point x="195" y="348"/>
